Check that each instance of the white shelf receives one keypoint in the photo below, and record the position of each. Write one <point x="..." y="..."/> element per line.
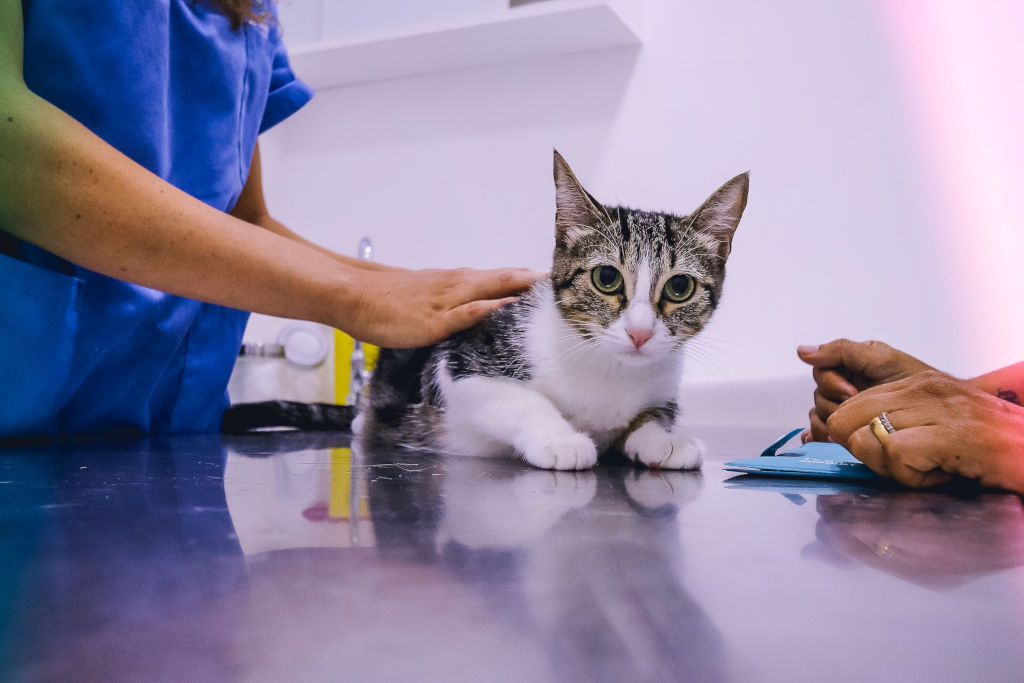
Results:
<point x="532" y="31"/>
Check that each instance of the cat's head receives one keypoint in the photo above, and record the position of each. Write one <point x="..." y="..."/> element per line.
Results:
<point x="638" y="284"/>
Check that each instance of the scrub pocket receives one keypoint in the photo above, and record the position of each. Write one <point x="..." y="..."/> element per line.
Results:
<point x="38" y="321"/>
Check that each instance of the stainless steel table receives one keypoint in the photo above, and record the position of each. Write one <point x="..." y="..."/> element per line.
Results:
<point x="289" y="557"/>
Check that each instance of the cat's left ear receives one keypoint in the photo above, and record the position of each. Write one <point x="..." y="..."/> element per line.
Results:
<point x="576" y="210"/>
<point x="720" y="215"/>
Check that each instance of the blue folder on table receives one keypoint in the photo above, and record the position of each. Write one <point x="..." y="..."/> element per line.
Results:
<point x="814" y="459"/>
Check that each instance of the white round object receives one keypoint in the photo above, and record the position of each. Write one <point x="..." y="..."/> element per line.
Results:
<point x="303" y="344"/>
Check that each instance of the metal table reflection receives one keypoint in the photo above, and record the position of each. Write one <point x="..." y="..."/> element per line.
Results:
<point x="289" y="556"/>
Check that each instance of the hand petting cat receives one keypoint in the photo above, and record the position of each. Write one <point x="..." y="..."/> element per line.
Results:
<point x="400" y="308"/>
<point x="939" y="426"/>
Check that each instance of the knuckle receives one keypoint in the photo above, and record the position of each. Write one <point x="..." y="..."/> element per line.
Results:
<point x="844" y="345"/>
<point x="858" y="442"/>
<point x="938" y="384"/>
<point x="834" y="348"/>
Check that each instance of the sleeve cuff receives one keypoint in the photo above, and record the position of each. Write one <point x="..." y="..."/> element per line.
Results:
<point x="284" y="102"/>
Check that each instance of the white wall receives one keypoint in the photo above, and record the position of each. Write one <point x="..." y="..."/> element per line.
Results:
<point x="844" y="233"/>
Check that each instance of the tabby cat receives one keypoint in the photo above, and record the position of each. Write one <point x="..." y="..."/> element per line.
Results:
<point x="589" y="360"/>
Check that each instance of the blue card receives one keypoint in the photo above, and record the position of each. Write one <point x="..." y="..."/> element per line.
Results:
<point x="814" y="459"/>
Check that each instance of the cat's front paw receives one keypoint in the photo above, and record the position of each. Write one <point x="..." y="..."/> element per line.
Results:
<point x="657" y="448"/>
<point x="569" y="452"/>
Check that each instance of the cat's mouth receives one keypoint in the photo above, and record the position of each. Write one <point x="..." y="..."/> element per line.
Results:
<point x="635" y="355"/>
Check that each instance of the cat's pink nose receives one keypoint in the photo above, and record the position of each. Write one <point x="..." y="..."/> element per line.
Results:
<point x="639" y="337"/>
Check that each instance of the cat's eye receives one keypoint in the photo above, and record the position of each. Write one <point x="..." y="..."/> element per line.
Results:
<point x="679" y="288"/>
<point x="607" y="279"/>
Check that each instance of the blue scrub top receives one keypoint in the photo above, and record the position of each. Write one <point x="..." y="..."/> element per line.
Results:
<point x="171" y="85"/>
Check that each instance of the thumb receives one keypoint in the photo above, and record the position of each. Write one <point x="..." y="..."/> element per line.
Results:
<point x="840" y="352"/>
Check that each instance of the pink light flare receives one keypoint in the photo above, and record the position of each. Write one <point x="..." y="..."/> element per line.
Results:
<point x="963" y="65"/>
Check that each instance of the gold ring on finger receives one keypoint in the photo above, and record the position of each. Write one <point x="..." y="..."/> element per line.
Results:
<point x="878" y="430"/>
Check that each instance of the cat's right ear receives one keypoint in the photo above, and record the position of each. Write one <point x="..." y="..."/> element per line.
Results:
<point x="720" y="215"/>
<point x="576" y="210"/>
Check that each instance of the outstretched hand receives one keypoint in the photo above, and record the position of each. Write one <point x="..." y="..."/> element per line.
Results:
<point x="399" y="308"/>
<point x="943" y="427"/>
<point x="843" y="368"/>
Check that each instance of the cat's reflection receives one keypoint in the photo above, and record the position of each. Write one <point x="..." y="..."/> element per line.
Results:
<point x="587" y="561"/>
<point x="931" y="539"/>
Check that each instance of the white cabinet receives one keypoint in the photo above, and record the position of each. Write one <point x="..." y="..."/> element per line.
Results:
<point x="336" y="43"/>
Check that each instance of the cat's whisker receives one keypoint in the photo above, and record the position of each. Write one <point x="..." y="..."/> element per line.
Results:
<point x="575" y="350"/>
<point x="700" y="353"/>
<point x="580" y="346"/>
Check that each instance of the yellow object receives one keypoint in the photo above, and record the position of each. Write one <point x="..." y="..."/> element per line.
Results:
<point x="344" y="345"/>
<point x="878" y="430"/>
<point x="342" y="488"/>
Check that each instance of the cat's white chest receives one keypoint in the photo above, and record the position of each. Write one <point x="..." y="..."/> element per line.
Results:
<point x="598" y="401"/>
<point x="595" y="393"/>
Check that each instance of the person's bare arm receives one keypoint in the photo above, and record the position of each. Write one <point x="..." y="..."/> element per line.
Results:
<point x="67" y="191"/>
<point x="1006" y="383"/>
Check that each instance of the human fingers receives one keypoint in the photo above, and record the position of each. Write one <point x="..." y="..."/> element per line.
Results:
<point x="908" y="475"/>
<point x="823" y="406"/>
<point x="497" y="284"/>
<point x="859" y="410"/>
<point x="856" y="412"/>
<point x="899" y="457"/>
<point x="849" y="423"/>
<point x="912" y="453"/>
<point x="927" y="395"/>
<point x="469" y="314"/>
<point x="838" y="352"/>
<point x="867" y="363"/>
<point x="818" y="429"/>
<point x="832" y="384"/>
<point x="866" y="447"/>
<point x="834" y="377"/>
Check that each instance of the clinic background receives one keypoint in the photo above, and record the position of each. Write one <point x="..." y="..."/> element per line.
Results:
<point x="883" y="140"/>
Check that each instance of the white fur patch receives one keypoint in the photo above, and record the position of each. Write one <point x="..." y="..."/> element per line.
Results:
<point x="655" y="447"/>
<point x="488" y="415"/>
